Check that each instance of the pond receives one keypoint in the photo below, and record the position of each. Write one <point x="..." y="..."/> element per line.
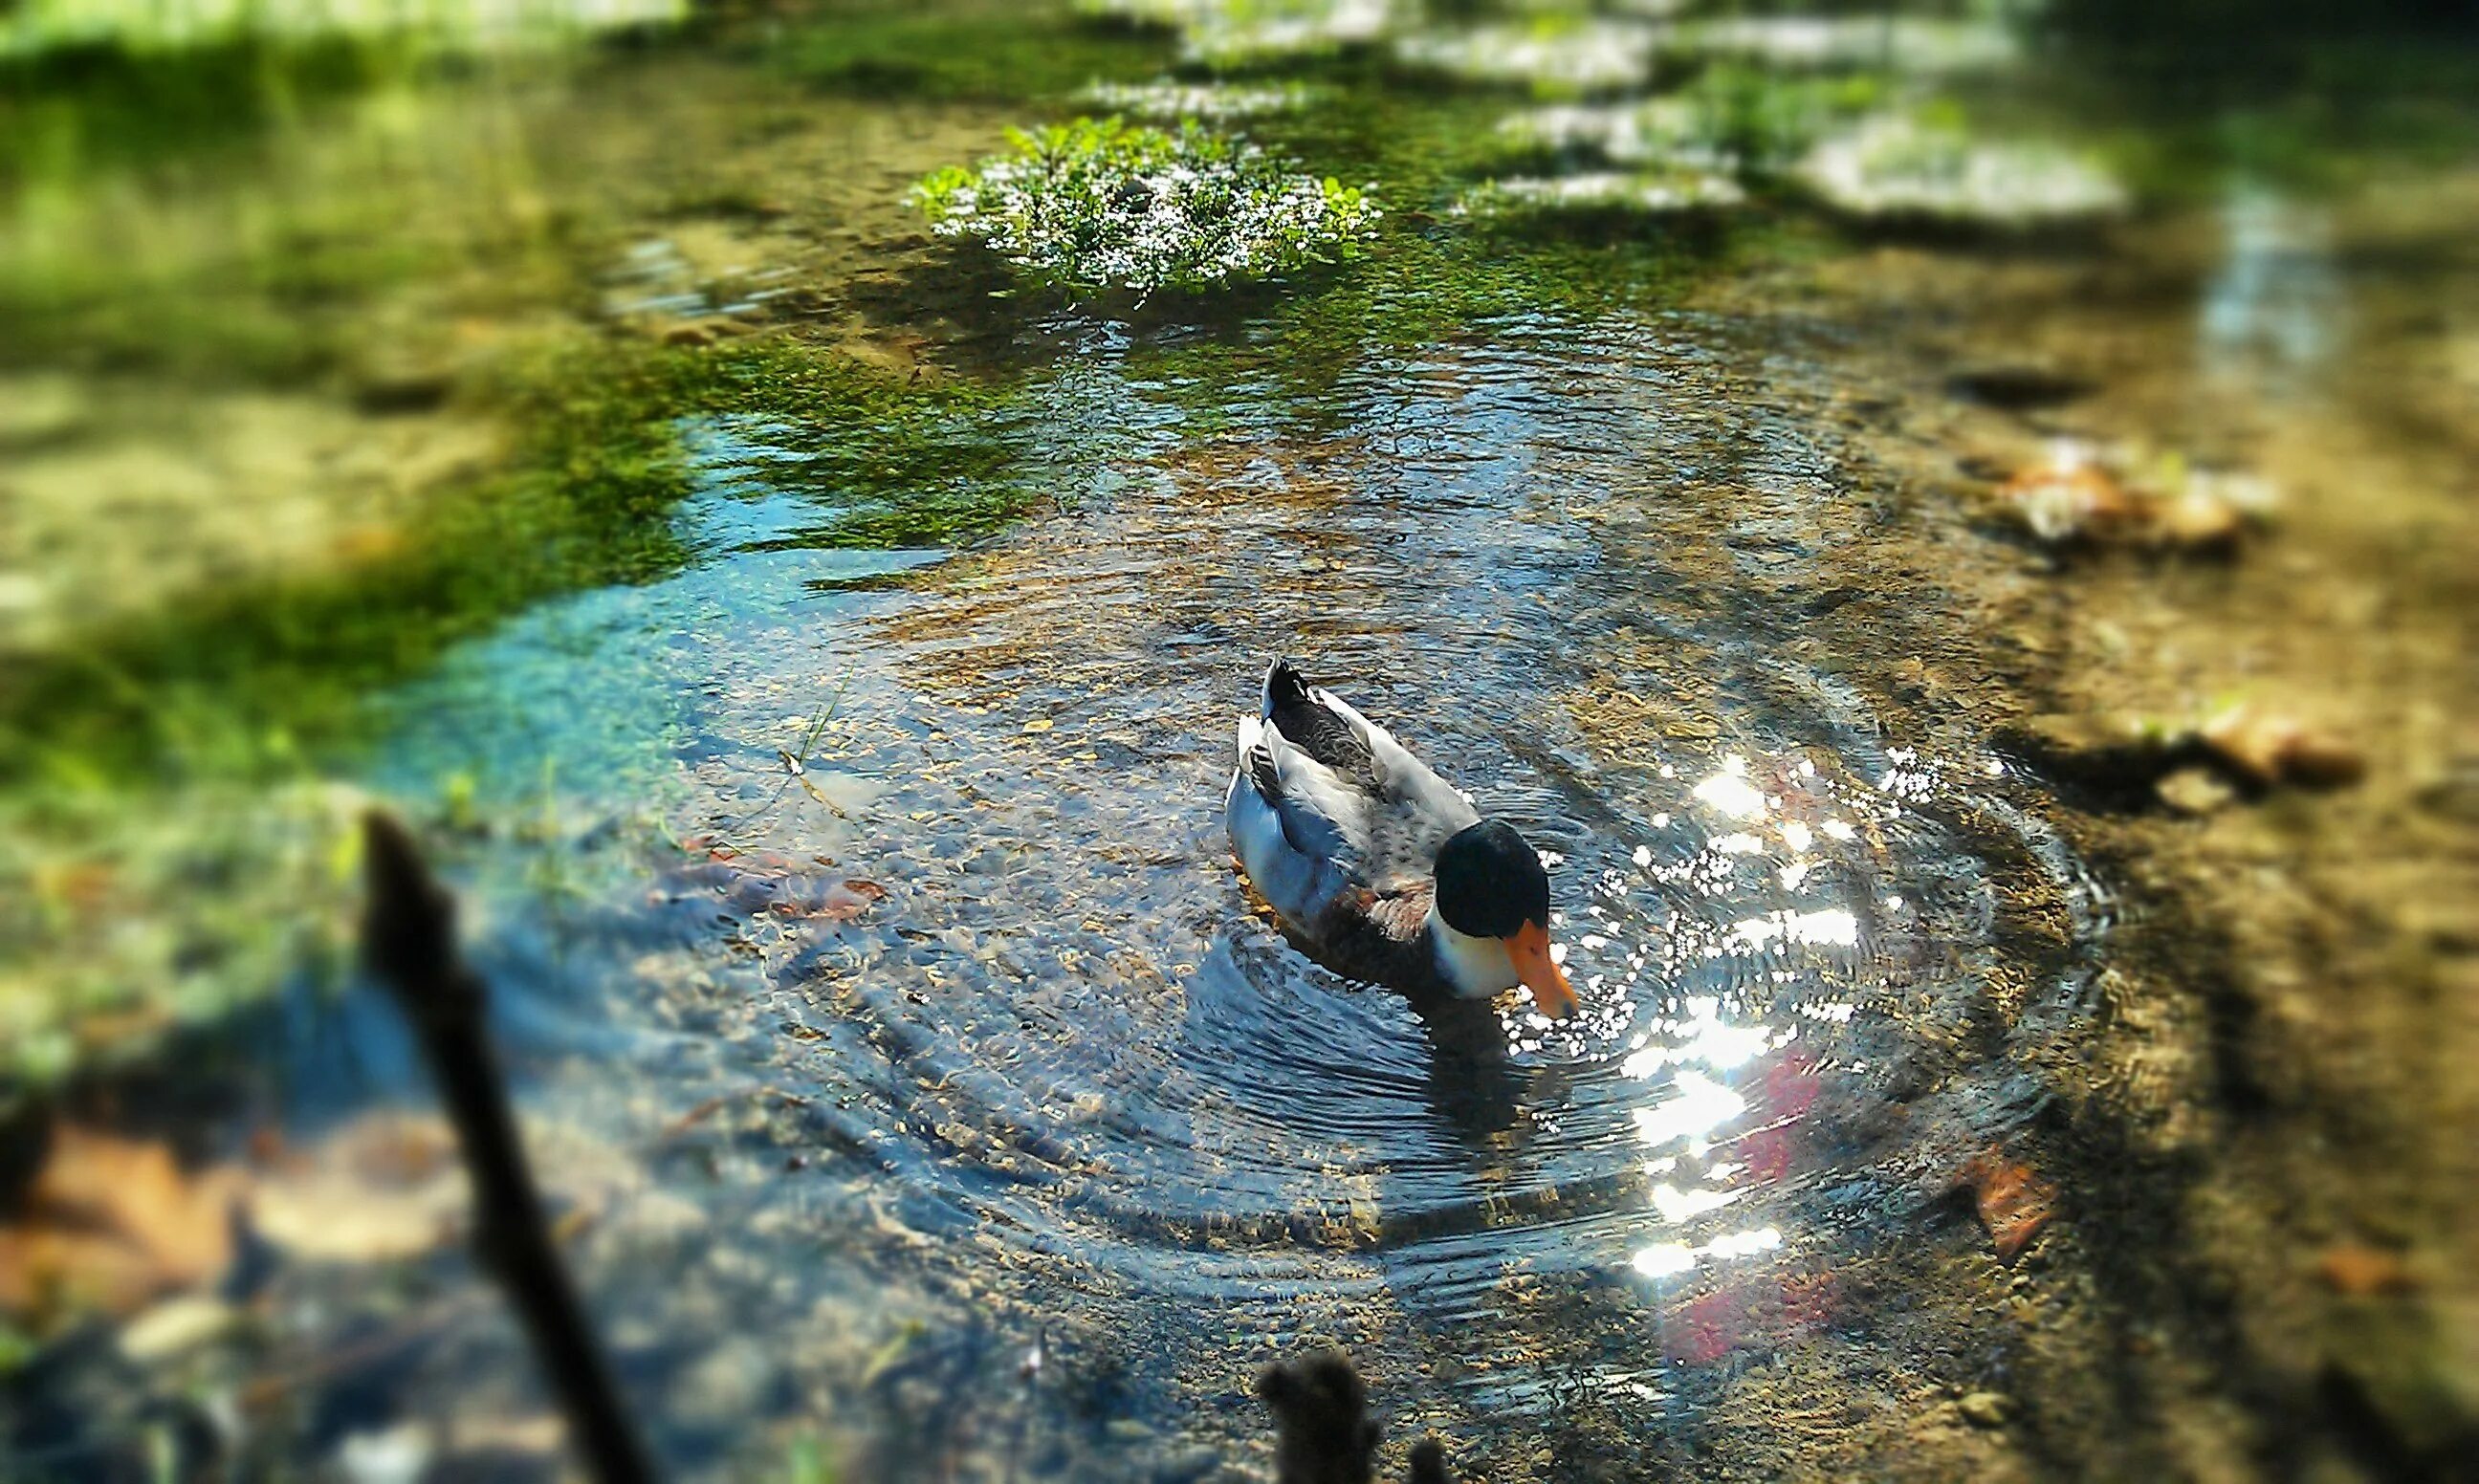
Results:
<point x="1966" y="587"/>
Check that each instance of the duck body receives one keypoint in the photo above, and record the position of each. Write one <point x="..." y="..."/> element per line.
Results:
<point x="1379" y="867"/>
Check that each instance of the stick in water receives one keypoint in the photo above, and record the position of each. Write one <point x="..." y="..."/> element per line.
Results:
<point x="409" y="942"/>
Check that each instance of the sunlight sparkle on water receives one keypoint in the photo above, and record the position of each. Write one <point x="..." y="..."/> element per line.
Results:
<point x="1832" y="927"/>
<point x="1706" y="1038"/>
<point x="1669" y="1259"/>
<point x="1728" y="792"/>
<point x="1701" y="1105"/>
<point x="1678" y="1206"/>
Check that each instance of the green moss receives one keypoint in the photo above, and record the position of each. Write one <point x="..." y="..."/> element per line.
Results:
<point x="245" y="683"/>
<point x="72" y="111"/>
<point x="993" y="51"/>
<point x="916" y="463"/>
<point x="165" y="774"/>
<point x="234" y="684"/>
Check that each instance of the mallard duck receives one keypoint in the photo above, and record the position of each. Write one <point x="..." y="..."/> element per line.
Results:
<point x="1381" y="868"/>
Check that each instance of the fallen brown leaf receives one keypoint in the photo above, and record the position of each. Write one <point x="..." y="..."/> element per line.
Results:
<point x="388" y="1186"/>
<point x="2014" y="1203"/>
<point x="2066" y="497"/>
<point x="2269" y="747"/>
<point x="849" y="898"/>
<point x="109" y="1223"/>
<point x="2364" y="1272"/>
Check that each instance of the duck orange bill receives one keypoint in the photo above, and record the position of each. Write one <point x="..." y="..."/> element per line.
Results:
<point x="1529" y="948"/>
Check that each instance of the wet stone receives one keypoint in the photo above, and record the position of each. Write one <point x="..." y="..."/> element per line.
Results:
<point x="1186" y="1464"/>
<point x="2195" y="791"/>
<point x="2019" y="386"/>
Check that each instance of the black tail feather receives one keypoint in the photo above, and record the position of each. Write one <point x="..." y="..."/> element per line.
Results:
<point x="1285" y="687"/>
<point x="1312" y="727"/>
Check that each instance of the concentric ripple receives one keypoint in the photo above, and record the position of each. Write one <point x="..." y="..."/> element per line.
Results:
<point x="1077" y="1063"/>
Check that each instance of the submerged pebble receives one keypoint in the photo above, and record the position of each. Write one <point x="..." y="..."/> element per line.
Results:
<point x="2269" y="747"/>
<point x="1652" y="195"/>
<point x="1212" y="102"/>
<point x="1586" y="56"/>
<point x="2195" y="791"/>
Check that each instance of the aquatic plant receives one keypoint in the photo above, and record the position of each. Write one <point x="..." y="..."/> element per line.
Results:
<point x="1914" y="166"/>
<point x="1097" y="204"/>
<point x="1654" y="193"/>
<point x="1213" y="102"/>
<point x="1551" y="54"/>
<point x="1230" y="33"/>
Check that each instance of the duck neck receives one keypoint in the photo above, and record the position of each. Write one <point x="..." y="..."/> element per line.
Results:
<point x="1473" y="967"/>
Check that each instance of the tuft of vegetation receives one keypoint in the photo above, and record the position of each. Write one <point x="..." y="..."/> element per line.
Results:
<point x="1105" y="204"/>
<point x="1232" y="34"/>
<point x="1923" y="165"/>
<point x="1214" y="102"/>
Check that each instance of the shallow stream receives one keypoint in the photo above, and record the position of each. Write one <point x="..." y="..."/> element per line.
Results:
<point x="876" y="972"/>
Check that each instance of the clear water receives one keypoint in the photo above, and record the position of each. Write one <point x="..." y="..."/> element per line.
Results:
<point x="1066" y="1068"/>
<point x="1049" y="1079"/>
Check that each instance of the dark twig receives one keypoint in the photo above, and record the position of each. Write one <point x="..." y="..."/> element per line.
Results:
<point x="409" y="942"/>
<point x="1323" y="1432"/>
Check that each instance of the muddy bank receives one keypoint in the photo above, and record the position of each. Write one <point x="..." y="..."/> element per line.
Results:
<point x="2260" y="1149"/>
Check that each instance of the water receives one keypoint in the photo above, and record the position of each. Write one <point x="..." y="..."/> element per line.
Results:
<point x="1087" y="1082"/>
<point x="882" y="998"/>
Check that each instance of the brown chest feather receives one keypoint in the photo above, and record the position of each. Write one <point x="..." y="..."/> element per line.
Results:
<point x="1381" y="939"/>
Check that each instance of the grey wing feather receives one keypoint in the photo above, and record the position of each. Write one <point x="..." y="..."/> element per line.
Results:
<point x="1340" y="806"/>
<point x="1301" y="834"/>
<point x="1410" y="810"/>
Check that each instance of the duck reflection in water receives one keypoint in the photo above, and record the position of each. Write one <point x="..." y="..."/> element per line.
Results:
<point x="1473" y="1084"/>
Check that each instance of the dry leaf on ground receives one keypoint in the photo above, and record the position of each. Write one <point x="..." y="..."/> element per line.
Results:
<point x="2014" y="1204"/>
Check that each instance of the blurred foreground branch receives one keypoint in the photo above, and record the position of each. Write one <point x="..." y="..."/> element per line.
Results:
<point x="1323" y="1432"/>
<point x="409" y="942"/>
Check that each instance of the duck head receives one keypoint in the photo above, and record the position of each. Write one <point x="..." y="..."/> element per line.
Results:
<point x="1492" y="917"/>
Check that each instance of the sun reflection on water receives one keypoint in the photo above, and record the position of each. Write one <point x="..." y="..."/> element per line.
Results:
<point x="1729" y="941"/>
